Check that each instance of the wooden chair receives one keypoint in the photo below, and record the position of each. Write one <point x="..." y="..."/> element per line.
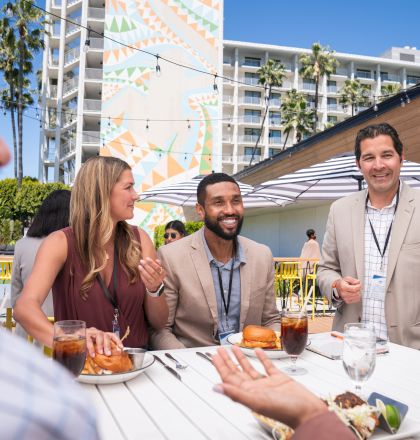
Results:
<point x="289" y="272"/>
<point x="5" y="271"/>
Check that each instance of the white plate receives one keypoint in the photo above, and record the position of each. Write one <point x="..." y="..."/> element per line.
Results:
<point x="409" y="429"/>
<point x="274" y="353"/>
<point x="105" y="379"/>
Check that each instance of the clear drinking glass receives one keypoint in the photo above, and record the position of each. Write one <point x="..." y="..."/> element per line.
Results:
<point x="359" y="353"/>
<point x="69" y="346"/>
<point x="294" y="336"/>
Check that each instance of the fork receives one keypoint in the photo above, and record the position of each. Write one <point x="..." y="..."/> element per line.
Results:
<point x="178" y="364"/>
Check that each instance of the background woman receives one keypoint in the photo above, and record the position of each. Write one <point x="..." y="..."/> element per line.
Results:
<point x="174" y="230"/>
<point x="101" y="269"/>
<point x="52" y="215"/>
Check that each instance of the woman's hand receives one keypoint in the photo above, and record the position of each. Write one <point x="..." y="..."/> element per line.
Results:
<point x="102" y="341"/>
<point x="152" y="273"/>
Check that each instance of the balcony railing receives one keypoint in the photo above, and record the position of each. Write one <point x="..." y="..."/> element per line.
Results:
<point x="93" y="74"/>
<point x="92" y="105"/>
<point x="248" y="138"/>
<point x="251" y="119"/>
<point x="97" y="43"/>
<point x="276" y="122"/>
<point x="250" y="81"/>
<point x="413" y="80"/>
<point x="341" y="71"/>
<point x="51" y="155"/>
<point x="274" y="140"/>
<point x="251" y="100"/>
<point x="68" y="147"/>
<point x="390" y="77"/>
<point x="227" y="60"/>
<point x="53" y="92"/>
<point x="228" y="81"/>
<point x="335" y="108"/>
<point x="96" y="13"/>
<point x="363" y="75"/>
<point x="247" y="157"/>
<point x="71" y="55"/>
<point x="68" y="117"/>
<point x="91" y="137"/>
<point x="227" y="99"/>
<point x="227" y="139"/>
<point x="274" y="102"/>
<point x="332" y="89"/>
<point x="54" y="60"/>
<point x="73" y="27"/>
<point x="308" y="86"/>
<point x="70" y="85"/>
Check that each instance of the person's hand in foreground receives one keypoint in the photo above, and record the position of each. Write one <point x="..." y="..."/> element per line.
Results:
<point x="276" y="395"/>
<point x="102" y="341"/>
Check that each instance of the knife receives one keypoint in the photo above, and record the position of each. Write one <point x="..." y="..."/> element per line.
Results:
<point x="170" y="369"/>
<point x="204" y="356"/>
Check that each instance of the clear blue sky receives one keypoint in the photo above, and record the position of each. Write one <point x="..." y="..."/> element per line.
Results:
<point x="367" y="27"/>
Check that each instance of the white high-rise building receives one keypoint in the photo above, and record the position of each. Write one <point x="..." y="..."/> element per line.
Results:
<point x="72" y="85"/>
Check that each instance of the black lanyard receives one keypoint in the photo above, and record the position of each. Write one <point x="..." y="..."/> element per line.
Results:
<point x="226" y="306"/>
<point x="388" y="235"/>
<point x="112" y="299"/>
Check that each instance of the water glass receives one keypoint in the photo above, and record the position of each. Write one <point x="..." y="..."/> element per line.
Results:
<point x="359" y="353"/>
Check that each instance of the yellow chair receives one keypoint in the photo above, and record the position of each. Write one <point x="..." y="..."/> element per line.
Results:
<point x="47" y="350"/>
<point x="311" y="276"/>
<point x="5" y="271"/>
<point x="9" y="323"/>
<point x="289" y="271"/>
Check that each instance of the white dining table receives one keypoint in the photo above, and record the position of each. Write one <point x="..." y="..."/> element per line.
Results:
<point x="156" y="405"/>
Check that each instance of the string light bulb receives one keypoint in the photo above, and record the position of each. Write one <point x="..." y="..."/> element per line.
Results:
<point x="228" y="127"/>
<point x="407" y="98"/>
<point x="188" y="124"/>
<point x="147" y="124"/>
<point x="86" y="47"/>
<point x="109" y="121"/>
<point x="215" y="88"/>
<point x="157" y="68"/>
<point x="402" y="102"/>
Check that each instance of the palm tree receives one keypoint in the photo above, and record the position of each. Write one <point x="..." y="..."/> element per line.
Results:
<point x="390" y="90"/>
<point x="321" y="62"/>
<point x="295" y="115"/>
<point x="28" y="25"/>
<point x="271" y="75"/>
<point x="354" y="94"/>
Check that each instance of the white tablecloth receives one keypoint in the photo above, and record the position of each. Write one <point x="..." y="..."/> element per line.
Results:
<point x="156" y="405"/>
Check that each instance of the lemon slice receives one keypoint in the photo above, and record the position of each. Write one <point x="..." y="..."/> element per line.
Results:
<point x="381" y="406"/>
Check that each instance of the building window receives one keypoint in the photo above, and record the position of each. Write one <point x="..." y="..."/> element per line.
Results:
<point x="248" y="152"/>
<point x="308" y="84"/>
<point x="251" y="78"/>
<point x="362" y="73"/>
<point x="252" y="116"/>
<point x="384" y="76"/>
<point x="411" y="79"/>
<point x="252" y="97"/>
<point x="331" y="86"/>
<point x="253" y="62"/>
<point x="407" y="57"/>
<point x="274" y="137"/>
<point x="275" y="118"/>
<point x="273" y="151"/>
<point x="275" y="100"/>
<point x="332" y="119"/>
<point x="332" y="104"/>
<point x="251" y="134"/>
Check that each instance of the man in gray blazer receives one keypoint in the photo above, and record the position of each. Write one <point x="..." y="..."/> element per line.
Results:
<point x="370" y="265"/>
<point x="217" y="281"/>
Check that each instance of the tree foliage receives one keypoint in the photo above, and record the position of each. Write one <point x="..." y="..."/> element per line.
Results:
<point x="354" y="94"/>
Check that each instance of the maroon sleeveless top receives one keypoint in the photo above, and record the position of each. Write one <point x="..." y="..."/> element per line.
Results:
<point x="97" y="311"/>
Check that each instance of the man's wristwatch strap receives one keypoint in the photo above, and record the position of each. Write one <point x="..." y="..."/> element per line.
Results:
<point x="157" y="292"/>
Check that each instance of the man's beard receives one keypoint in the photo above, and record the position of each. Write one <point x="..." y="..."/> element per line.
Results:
<point x="214" y="227"/>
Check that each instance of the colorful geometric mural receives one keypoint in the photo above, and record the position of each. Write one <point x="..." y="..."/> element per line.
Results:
<point x="164" y="124"/>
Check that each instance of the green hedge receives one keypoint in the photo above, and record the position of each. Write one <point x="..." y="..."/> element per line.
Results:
<point x="21" y="205"/>
<point x="191" y="227"/>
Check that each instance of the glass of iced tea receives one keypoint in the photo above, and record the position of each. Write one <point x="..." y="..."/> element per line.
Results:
<point x="69" y="346"/>
<point x="294" y="336"/>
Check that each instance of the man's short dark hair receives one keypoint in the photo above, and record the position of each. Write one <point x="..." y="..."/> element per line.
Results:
<point x="372" y="131"/>
<point x="211" y="179"/>
<point x="310" y="232"/>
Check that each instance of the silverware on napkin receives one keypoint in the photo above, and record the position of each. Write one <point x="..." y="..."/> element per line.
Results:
<point x="170" y="369"/>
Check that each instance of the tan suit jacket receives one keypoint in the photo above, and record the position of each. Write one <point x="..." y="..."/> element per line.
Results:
<point x="191" y="297"/>
<point x="343" y="255"/>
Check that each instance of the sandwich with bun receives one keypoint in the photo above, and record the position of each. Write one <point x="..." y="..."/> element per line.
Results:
<point x="117" y="362"/>
<point x="255" y="336"/>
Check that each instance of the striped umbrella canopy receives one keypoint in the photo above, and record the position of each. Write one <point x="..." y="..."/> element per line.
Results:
<point x="329" y="180"/>
<point x="185" y="194"/>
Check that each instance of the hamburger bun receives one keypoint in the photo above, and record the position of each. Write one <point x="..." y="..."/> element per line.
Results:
<point x="117" y="362"/>
<point x="255" y="336"/>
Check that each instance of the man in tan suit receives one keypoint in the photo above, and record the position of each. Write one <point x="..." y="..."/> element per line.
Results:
<point x="370" y="266"/>
<point x="217" y="281"/>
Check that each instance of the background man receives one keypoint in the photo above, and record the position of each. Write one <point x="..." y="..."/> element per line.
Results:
<point x="371" y="247"/>
<point x="217" y="281"/>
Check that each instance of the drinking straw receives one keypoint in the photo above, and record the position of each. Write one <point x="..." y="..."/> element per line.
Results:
<point x="307" y="298"/>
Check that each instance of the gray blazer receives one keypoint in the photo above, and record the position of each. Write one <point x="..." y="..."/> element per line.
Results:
<point x="343" y="255"/>
<point x="191" y="297"/>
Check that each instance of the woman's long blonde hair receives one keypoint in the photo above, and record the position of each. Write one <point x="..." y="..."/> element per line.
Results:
<point x="90" y="219"/>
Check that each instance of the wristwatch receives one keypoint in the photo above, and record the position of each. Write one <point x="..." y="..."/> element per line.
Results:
<point x="157" y="292"/>
<point x="335" y="294"/>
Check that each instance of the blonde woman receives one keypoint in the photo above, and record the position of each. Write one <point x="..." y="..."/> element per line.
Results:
<point x="101" y="269"/>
